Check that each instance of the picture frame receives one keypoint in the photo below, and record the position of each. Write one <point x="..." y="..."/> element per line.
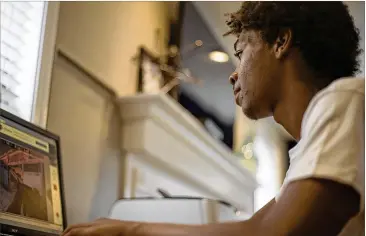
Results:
<point x="150" y="76"/>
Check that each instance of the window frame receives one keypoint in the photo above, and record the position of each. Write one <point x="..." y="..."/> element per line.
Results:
<point x="46" y="57"/>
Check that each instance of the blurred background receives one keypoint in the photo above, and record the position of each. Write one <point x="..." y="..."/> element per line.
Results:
<point x="139" y="94"/>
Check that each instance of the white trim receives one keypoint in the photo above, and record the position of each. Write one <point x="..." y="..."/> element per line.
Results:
<point x="159" y="131"/>
<point x="43" y="84"/>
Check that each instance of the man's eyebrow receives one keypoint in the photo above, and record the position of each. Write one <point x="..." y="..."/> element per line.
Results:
<point x="236" y="44"/>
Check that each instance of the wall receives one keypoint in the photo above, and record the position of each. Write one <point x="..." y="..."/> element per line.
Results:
<point x="102" y="37"/>
<point x="270" y="151"/>
<point x="243" y="127"/>
<point x="86" y="120"/>
<point x="105" y="36"/>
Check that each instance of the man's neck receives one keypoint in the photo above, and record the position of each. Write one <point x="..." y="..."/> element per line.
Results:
<point x="291" y="107"/>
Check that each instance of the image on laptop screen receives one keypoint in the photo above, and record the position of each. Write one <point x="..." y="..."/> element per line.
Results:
<point x="29" y="179"/>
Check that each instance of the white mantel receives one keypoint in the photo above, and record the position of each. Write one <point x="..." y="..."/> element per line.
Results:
<point x="159" y="131"/>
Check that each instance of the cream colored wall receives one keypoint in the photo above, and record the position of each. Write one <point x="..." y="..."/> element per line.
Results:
<point x="84" y="116"/>
<point x="104" y="36"/>
<point x="242" y="128"/>
<point x="270" y="151"/>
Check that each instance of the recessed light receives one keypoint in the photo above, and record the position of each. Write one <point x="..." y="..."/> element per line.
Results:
<point x="198" y="43"/>
<point x="218" y="56"/>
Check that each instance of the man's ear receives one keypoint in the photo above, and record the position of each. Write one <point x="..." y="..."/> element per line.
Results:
<point x="283" y="43"/>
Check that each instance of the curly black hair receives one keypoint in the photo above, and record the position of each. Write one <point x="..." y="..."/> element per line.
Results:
<point x="324" y="32"/>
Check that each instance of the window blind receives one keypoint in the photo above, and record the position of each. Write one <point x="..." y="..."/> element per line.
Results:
<point x="21" y="44"/>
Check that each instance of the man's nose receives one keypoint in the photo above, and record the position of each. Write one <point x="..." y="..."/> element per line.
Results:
<point x="233" y="78"/>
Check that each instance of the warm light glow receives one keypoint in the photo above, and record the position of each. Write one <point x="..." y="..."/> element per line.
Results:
<point x="198" y="43"/>
<point x="247" y="150"/>
<point x="220" y="57"/>
<point x="248" y="154"/>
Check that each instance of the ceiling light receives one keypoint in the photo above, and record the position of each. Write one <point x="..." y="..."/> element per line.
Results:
<point x="198" y="43"/>
<point x="218" y="56"/>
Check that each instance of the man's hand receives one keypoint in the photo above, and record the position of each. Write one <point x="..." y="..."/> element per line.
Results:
<point x="103" y="227"/>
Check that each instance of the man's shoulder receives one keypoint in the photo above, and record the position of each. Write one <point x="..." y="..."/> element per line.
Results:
<point x="345" y="85"/>
<point x="340" y="102"/>
<point x="338" y="96"/>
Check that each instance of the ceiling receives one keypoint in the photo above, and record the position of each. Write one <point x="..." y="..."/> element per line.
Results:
<point x="213" y="13"/>
<point x="215" y="93"/>
<point x="206" y="21"/>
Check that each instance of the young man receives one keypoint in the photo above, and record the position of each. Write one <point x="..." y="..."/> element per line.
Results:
<point x="297" y="60"/>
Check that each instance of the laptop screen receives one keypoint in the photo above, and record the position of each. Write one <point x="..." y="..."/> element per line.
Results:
<point x="29" y="179"/>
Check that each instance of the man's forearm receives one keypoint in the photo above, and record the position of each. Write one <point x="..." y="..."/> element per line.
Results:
<point x="228" y="229"/>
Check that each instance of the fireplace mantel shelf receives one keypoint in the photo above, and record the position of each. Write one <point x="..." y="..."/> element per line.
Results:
<point x="160" y="130"/>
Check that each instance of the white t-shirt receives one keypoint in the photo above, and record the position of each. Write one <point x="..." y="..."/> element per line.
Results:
<point x="332" y="144"/>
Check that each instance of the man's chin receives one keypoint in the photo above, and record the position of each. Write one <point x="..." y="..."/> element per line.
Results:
<point x="251" y="113"/>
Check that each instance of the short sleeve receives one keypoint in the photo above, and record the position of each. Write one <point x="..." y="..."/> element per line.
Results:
<point x="332" y="141"/>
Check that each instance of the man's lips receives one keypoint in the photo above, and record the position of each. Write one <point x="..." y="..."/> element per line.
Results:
<point x="236" y="90"/>
<point x="237" y="95"/>
<point x="238" y="99"/>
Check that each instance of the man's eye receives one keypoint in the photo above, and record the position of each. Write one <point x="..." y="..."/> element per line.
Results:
<point x="238" y="54"/>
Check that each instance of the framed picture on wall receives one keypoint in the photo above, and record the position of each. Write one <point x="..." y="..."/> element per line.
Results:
<point x="150" y="75"/>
